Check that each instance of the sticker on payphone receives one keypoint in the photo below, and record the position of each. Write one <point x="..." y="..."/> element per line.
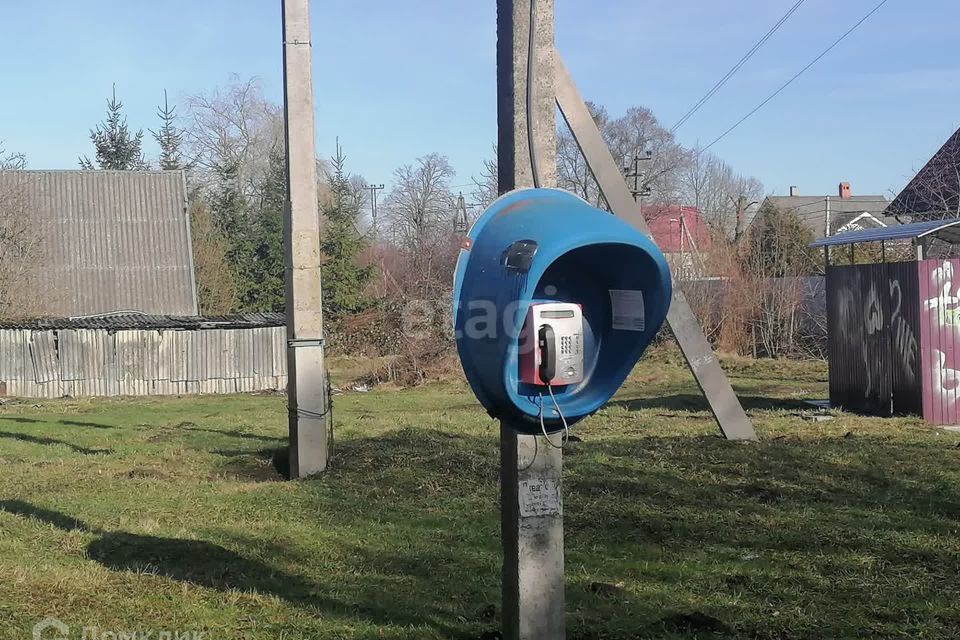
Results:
<point x="627" y="309"/>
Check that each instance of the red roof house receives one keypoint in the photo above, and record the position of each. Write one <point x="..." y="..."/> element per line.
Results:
<point x="678" y="229"/>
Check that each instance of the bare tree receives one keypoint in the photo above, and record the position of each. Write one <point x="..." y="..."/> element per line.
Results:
<point x="637" y="132"/>
<point x="233" y="130"/>
<point x="486" y="189"/>
<point x="359" y="194"/>
<point x="705" y="181"/>
<point x="775" y="261"/>
<point x="10" y="160"/>
<point x="720" y="195"/>
<point x="216" y="286"/>
<point x="630" y="136"/>
<point x="419" y="212"/>
<point x="747" y="193"/>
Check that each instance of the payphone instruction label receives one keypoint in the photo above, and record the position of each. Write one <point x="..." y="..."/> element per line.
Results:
<point x="628" y="312"/>
<point x="540" y="497"/>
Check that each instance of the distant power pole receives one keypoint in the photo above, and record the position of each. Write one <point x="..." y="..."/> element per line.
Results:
<point x="639" y="189"/>
<point x="307" y="384"/>
<point x="826" y="229"/>
<point x="460" y="223"/>
<point x="373" y="200"/>
<point x="826" y="217"/>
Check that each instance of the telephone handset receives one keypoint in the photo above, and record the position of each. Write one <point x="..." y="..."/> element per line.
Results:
<point x="548" y="353"/>
<point x="551" y="351"/>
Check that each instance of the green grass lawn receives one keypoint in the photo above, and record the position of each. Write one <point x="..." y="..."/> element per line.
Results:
<point x="169" y="514"/>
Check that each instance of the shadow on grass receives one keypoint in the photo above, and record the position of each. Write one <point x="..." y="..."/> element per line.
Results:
<point x="55" y="518"/>
<point x="190" y="426"/>
<point x="719" y="532"/>
<point x="697" y="402"/>
<point x="69" y="423"/>
<point x="51" y="442"/>
<point x="92" y="425"/>
<point x="836" y="494"/>
<point x="210" y="565"/>
<point x="246" y="463"/>
<point x="790" y="512"/>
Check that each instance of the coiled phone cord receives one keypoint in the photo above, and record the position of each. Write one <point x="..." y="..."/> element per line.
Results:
<point x="543" y="426"/>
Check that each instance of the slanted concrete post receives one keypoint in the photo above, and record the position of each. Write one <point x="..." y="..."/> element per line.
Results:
<point x="703" y="363"/>
<point x="531" y="499"/>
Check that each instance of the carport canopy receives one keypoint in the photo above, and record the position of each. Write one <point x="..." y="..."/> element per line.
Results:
<point x="947" y="230"/>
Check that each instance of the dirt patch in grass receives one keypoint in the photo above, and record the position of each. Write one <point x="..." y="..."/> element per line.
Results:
<point x="145" y="473"/>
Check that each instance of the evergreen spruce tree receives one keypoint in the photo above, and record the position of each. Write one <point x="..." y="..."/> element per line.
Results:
<point x="344" y="279"/>
<point x="267" y="268"/>
<point x="169" y="137"/>
<point x="115" y="146"/>
<point x="231" y="216"/>
<point x="253" y="231"/>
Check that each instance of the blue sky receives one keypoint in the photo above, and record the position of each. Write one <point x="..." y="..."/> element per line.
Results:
<point x="395" y="80"/>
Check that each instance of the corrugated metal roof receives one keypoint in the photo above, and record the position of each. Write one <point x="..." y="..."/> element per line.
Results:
<point x="122" y="321"/>
<point x="109" y="241"/>
<point x="947" y="230"/>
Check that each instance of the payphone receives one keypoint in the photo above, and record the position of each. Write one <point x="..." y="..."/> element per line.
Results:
<point x="551" y="351"/>
<point x="554" y="303"/>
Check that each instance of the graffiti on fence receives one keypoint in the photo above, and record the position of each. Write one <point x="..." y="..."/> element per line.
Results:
<point x="904" y="338"/>
<point x="875" y="339"/>
<point x="941" y="319"/>
<point x="872" y="324"/>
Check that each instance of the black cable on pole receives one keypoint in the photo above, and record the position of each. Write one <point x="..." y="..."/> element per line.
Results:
<point x="795" y="77"/>
<point x="530" y="78"/>
<point x="749" y="54"/>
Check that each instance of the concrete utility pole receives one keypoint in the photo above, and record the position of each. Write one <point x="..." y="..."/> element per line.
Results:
<point x="307" y="385"/>
<point x="826" y="229"/>
<point x="460" y="224"/>
<point x="531" y="506"/>
<point x="374" y="188"/>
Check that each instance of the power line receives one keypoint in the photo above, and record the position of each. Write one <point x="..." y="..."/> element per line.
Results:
<point x="749" y="54"/>
<point x="796" y="76"/>
<point x="820" y="201"/>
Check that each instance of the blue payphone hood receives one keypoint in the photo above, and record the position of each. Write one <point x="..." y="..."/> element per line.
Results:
<point x="540" y="245"/>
